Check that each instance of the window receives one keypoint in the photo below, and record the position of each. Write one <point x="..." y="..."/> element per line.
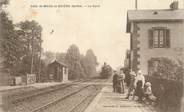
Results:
<point x="159" y="38"/>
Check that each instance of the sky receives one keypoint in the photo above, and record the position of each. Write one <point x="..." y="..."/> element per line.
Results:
<point x="102" y="29"/>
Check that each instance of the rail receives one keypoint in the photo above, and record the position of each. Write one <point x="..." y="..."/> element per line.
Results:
<point x="58" y="100"/>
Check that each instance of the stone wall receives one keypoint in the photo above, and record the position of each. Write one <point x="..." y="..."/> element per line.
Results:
<point x="135" y="47"/>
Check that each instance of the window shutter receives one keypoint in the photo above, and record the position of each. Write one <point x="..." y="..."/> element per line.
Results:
<point x="150" y="38"/>
<point x="168" y="38"/>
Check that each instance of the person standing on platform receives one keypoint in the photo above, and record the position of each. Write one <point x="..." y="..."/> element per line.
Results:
<point x="131" y="87"/>
<point x="122" y="83"/>
<point x="127" y="76"/>
<point x="139" y="85"/>
<point x="115" y="81"/>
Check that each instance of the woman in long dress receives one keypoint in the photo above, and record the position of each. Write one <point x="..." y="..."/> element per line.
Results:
<point x="122" y="83"/>
<point x="139" y="85"/>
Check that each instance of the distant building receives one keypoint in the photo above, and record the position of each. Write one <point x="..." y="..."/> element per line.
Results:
<point x="57" y="71"/>
<point x="155" y="34"/>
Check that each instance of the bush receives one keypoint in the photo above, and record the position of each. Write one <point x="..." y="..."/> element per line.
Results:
<point x="168" y="92"/>
<point x="168" y="69"/>
<point x="166" y="79"/>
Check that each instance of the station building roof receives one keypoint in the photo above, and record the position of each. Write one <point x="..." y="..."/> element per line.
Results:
<point x="58" y="62"/>
<point x="157" y="15"/>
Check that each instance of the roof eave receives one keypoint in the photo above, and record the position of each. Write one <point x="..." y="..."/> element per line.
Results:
<point x="63" y="64"/>
<point x="156" y="20"/>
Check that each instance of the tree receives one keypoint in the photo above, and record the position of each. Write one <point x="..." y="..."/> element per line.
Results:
<point x="11" y="45"/>
<point x="3" y="2"/>
<point x="31" y="37"/>
<point x="72" y="59"/>
<point x="89" y="63"/>
<point x="48" y="57"/>
<point x="17" y="45"/>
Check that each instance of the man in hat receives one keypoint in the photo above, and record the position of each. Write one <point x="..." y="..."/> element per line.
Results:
<point x="131" y="86"/>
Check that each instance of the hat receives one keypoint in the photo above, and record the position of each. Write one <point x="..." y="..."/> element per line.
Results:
<point x="133" y="73"/>
<point x="139" y="72"/>
<point x="148" y="84"/>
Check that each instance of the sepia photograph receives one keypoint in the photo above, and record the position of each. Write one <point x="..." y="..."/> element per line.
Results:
<point x="91" y="55"/>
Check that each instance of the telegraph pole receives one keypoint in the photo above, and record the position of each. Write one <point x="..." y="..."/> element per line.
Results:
<point x="32" y="54"/>
<point x="40" y="61"/>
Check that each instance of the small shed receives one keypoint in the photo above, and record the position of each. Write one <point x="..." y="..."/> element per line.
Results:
<point x="57" y="71"/>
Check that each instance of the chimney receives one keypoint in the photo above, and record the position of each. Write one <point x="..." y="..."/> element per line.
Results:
<point x="174" y="5"/>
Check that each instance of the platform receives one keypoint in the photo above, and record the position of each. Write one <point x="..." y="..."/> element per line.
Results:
<point x="16" y="90"/>
<point x="36" y="85"/>
<point x="108" y="101"/>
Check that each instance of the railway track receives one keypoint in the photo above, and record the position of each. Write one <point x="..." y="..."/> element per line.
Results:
<point x="17" y="100"/>
<point x="57" y="101"/>
<point x="81" y="106"/>
<point x="28" y="95"/>
<point x="75" y="102"/>
<point x="43" y="100"/>
<point x="25" y="96"/>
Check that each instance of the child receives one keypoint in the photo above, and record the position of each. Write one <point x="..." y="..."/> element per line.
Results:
<point x="148" y="93"/>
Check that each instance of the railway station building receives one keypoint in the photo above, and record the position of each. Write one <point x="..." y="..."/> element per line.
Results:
<point x="155" y="34"/>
